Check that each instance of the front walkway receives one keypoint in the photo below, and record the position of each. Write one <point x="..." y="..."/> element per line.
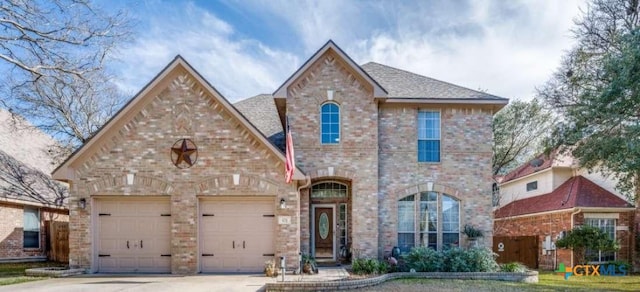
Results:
<point x="324" y="274"/>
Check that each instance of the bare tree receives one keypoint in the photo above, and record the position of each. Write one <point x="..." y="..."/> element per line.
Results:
<point x="18" y="181"/>
<point x="518" y="131"/>
<point x="54" y="55"/>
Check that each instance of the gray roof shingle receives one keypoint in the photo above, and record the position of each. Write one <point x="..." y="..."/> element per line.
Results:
<point x="261" y="111"/>
<point x="404" y="84"/>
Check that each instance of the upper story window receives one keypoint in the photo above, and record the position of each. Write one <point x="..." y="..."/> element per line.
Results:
<point x="532" y="186"/>
<point x="31" y="228"/>
<point x="330" y="123"/>
<point x="428" y="136"/>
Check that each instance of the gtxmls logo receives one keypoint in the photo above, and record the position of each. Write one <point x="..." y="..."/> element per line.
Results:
<point x="592" y="270"/>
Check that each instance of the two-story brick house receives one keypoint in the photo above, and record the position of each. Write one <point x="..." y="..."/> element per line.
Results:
<point x="550" y="195"/>
<point x="182" y="181"/>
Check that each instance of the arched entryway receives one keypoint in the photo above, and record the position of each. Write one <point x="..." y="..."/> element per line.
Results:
<point x="330" y="220"/>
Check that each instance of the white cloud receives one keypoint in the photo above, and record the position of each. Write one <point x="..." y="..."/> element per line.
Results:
<point x="237" y="67"/>
<point x="504" y="47"/>
<point x="508" y="52"/>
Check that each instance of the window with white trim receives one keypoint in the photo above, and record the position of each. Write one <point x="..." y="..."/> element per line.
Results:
<point x="607" y="226"/>
<point x="428" y="219"/>
<point x="330" y="123"/>
<point x="428" y="136"/>
<point x="31" y="228"/>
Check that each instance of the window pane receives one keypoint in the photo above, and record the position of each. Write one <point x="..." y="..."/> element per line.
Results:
<point x="428" y="211"/>
<point x="450" y="214"/>
<point x="406" y="241"/>
<point x="31" y="228"/>
<point x="406" y="214"/>
<point x="608" y="226"/>
<point x="330" y="123"/>
<point x="329" y="190"/>
<point x="429" y="150"/>
<point x="450" y="239"/>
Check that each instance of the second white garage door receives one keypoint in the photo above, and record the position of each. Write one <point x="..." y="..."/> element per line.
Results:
<point x="237" y="235"/>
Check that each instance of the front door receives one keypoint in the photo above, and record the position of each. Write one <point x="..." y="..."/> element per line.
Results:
<point x="323" y="233"/>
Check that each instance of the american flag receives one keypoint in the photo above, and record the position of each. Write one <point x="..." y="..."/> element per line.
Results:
<point x="290" y="164"/>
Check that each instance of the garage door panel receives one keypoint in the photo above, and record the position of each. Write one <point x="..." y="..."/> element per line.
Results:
<point x="140" y="224"/>
<point x="240" y="224"/>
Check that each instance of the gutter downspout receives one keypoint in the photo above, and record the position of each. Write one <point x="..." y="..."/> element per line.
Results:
<point x="306" y="185"/>
<point x="578" y="210"/>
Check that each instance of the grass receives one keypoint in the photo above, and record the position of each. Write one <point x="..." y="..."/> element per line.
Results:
<point x="548" y="281"/>
<point x="13" y="273"/>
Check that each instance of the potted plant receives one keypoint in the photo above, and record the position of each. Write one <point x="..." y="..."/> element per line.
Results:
<point x="270" y="269"/>
<point x="309" y="264"/>
<point x="472" y="234"/>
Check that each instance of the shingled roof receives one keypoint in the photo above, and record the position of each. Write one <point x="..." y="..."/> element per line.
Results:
<point x="261" y="111"/>
<point x="24" y="164"/>
<point x="576" y="192"/>
<point x="404" y="84"/>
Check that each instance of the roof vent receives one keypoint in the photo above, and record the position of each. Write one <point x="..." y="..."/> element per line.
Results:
<point x="536" y="162"/>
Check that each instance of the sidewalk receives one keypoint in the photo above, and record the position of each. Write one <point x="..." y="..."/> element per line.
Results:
<point x="324" y="274"/>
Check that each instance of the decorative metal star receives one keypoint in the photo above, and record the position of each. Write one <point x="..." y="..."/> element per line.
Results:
<point x="185" y="153"/>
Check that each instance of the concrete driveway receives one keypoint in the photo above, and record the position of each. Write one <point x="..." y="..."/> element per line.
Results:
<point x="146" y="283"/>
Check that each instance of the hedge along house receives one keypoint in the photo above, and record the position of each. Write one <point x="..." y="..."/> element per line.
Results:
<point x="181" y="181"/>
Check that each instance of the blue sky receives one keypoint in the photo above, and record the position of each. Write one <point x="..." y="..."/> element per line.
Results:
<point x="244" y="48"/>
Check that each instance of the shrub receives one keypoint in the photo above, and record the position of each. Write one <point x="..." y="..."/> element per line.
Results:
<point x="470" y="260"/>
<point x="455" y="260"/>
<point x="472" y="232"/>
<point x="423" y="259"/>
<point x="513" y="267"/>
<point x="363" y="266"/>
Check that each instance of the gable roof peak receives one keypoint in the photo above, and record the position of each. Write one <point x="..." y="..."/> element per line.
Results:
<point x="378" y="90"/>
<point x="65" y="171"/>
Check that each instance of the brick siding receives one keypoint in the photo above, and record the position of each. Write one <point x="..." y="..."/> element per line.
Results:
<point x="11" y="236"/>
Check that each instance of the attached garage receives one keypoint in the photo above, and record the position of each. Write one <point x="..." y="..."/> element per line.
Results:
<point x="133" y="235"/>
<point x="236" y="234"/>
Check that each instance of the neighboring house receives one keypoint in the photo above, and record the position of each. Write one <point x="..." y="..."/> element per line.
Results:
<point x="182" y="181"/>
<point x="551" y="195"/>
<point x="29" y="198"/>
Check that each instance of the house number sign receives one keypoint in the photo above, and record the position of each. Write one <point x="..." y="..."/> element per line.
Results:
<point x="324" y="226"/>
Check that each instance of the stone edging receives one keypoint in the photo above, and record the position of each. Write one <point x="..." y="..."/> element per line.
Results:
<point x="526" y="277"/>
<point x="53" y="272"/>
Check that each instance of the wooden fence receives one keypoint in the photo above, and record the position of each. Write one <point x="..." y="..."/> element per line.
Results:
<point x="59" y="241"/>
<point x="523" y="249"/>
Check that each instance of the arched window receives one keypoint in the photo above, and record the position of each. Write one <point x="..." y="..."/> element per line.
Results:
<point x="428" y="219"/>
<point x="330" y="123"/>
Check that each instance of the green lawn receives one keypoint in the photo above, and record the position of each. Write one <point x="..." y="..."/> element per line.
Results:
<point x="13" y="273"/>
<point x="548" y="281"/>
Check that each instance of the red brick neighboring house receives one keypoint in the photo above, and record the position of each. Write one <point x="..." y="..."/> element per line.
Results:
<point x="29" y="198"/>
<point x="565" y="198"/>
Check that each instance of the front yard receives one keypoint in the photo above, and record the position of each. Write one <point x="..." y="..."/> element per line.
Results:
<point x="548" y="281"/>
<point x="13" y="273"/>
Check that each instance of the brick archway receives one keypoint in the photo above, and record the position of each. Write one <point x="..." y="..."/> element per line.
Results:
<point x="428" y="187"/>
<point x="240" y="182"/>
<point x="140" y="185"/>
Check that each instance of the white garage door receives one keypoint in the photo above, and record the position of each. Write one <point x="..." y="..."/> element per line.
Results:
<point x="134" y="236"/>
<point x="236" y="235"/>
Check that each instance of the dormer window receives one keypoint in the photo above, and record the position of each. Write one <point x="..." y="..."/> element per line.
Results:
<point x="532" y="186"/>
<point x="330" y="123"/>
